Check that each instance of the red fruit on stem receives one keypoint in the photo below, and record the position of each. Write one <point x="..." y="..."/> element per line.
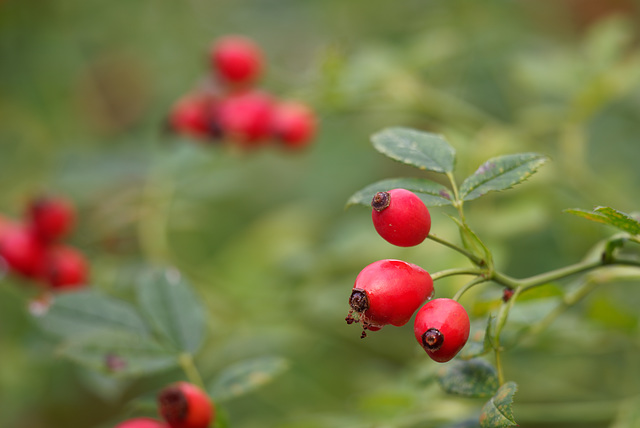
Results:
<point x="294" y="124"/>
<point x="51" y="217"/>
<point x="442" y="328"/>
<point x="23" y="251"/>
<point x="236" y="60"/>
<point x="388" y="292"/>
<point x="191" y="116"/>
<point x="245" y="117"/>
<point x="400" y="217"/>
<point x="65" y="268"/>
<point x="142" y="423"/>
<point x="184" y="405"/>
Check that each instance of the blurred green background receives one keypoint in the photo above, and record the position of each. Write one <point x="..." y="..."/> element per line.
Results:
<point x="84" y="89"/>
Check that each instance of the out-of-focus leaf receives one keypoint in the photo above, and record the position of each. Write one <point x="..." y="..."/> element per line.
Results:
<point x="173" y="309"/>
<point x="125" y="356"/>
<point x="431" y="193"/>
<point x="424" y="150"/>
<point x="610" y="216"/>
<point x="501" y="173"/>
<point x="90" y="313"/>
<point x="479" y="342"/>
<point x="472" y="378"/>
<point x="497" y="412"/>
<point x="246" y="376"/>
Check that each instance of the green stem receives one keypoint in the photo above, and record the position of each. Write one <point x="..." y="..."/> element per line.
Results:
<point x="190" y="370"/>
<point x="468" y="286"/>
<point x="457" y="271"/>
<point x="499" y="366"/>
<point x="457" y="202"/>
<point x="475" y="259"/>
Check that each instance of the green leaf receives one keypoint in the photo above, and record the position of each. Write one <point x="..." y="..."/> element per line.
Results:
<point x="173" y="308"/>
<point x="424" y="150"/>
<point x="432" y="194"/>
<point x="246" y="376"/>
<point x="501" y="173"/>
<point x="123" y="356"/>
<point x="472" y="378"/>
<point x="610" y="216"/>
<point x="90" y="313"/>
<point x="497" y="412"/>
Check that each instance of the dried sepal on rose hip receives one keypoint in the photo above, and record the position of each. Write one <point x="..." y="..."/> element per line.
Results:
<point x="442" y="328"/>
<point x="184" y="405"/>
<point x="142" y="423"/>
<point x="400" y="217"/>
<point x="388" y="292"/>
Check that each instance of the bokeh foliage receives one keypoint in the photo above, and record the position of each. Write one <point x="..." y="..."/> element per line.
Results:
<point x="264" y="237"/>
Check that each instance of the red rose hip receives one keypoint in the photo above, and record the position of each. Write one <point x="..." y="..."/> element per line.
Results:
<point x="184" y="405"/>
<point x="65" y="268"/>
<point x="236" y="60"/>
<point x="294" y="124"/>
<point x="51" y="217"/>
<point x="142" y="423"/>
<point x="23" y="252"/>
<point x="388" y="292"/>
<point x="442" y="328"/>
<point x="191" y="116"/>
<point x="245" y="118"/>
<point x="400" y="217"/>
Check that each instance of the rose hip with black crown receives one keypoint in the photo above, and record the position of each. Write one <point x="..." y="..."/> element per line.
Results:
<point x="184" y="405"/>
<point x="400" y="217"/>
<point x="388" y="292"/>
<point x="442" y="328"/>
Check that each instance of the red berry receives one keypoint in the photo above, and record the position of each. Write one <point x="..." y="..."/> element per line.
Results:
<point x="184" y="405"/>
<point x="388" y="292"/>
<point x="442" y="328"/>
<point x="245" y="117"/>
<point x="191" y="116"/>
<point x="294" y="124"/>
<point x="142" y="423"/>
<point x="236" y="60"/>
<point x="400" y="217"/>
<point x="65" y="268"/>
<point x="51" y="217"/>
<point x="23" y="252"/>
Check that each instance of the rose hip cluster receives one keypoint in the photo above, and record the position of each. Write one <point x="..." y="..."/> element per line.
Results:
<point x="390" y="291"/>
<point x="230" y="108"/>
<point x="33" y="248"/>
<point x="181" y="405"/>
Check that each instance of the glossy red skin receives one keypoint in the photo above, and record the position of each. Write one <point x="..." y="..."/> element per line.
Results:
<point x="66" y="268"/>
<point x="200" y="410"/>
<point x="191" y="116"/>
<point x="23" y="251"/>
<point x="51" y="217"/>
<point x="142" y="423"/>
<point x="245" y="117"/>
<point x="294" y="124"/>
<point x="395" y="289"/>
<point x="236" y="60"/>
<point x="405" y="222"/>
<point x="451" y="319"/>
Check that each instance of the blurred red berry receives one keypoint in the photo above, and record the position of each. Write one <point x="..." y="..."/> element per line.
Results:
<point x="191" y="116"/>
<point x="23" y="252"/>
<point x="245" y="117"/>
<point x="184" y="405"/>
<point x="142" y="423"/>
<point x="65" y="267"/>
<point x="294" y="124"/>
<point x="51" y="217"/>
<point x="236" y="60"/>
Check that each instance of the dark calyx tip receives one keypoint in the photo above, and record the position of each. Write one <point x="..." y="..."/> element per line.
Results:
<point x="359" y="300"/>
<point x="432" y="339"/>
<point x="173" y="404"/>
<point x="380" y="201"/>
